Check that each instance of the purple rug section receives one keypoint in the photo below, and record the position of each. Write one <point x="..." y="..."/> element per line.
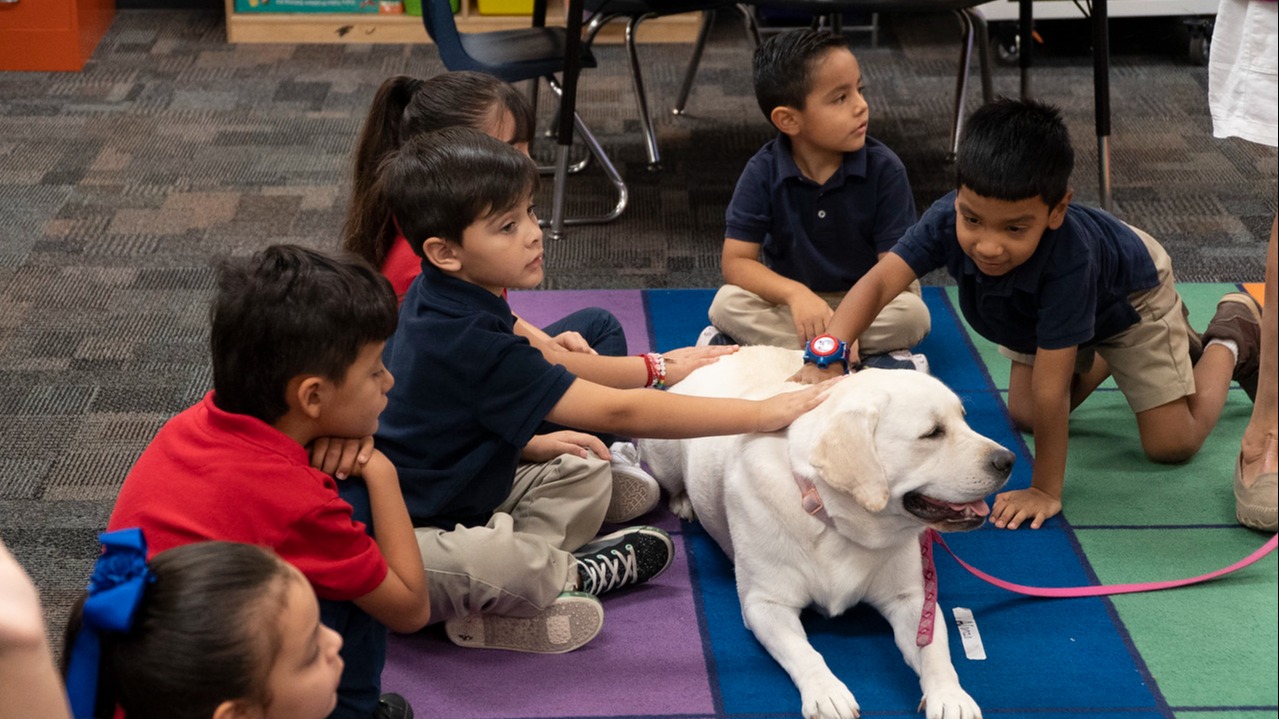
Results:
<point x="542" y="307"/>
<point x="647" y="660"/>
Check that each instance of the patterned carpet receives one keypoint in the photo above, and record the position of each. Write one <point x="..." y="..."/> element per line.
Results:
<point x="119" y="186"/>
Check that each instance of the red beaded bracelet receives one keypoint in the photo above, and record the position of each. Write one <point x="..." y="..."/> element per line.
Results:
<point x="655" y="363"/>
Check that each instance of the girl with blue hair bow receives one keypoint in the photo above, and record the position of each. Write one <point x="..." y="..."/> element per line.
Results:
<point x="212" y="630"/>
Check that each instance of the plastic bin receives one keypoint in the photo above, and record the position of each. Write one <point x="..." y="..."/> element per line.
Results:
<point x="505" y="7"/>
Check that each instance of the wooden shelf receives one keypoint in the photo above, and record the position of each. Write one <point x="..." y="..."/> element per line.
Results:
<point x="402" y="29"/>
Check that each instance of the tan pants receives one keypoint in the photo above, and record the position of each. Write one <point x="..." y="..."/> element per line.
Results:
<point x="753" y="320"/>
<point x="520" y="561"/>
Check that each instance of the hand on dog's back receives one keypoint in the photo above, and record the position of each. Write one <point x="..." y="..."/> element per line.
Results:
<point x="778" y="411"/>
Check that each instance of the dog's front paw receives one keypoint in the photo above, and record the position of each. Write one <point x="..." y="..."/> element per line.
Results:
<point x="682" y="507"/>
<point x="829" y="699"/>
<point x="950" y="703"/>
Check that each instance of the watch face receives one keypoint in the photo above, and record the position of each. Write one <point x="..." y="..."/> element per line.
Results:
<point x="824" y="345"/>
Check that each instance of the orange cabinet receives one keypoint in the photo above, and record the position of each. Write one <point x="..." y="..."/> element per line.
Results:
<point x="47" y="35"/>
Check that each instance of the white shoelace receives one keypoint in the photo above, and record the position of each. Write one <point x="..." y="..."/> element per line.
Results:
<point x="604" y="574"/>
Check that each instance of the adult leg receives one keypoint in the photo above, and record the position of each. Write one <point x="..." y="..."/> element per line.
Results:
<point x="1256" y="482"/>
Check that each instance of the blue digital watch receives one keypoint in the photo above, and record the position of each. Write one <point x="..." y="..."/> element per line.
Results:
<point x="823" y="350"/>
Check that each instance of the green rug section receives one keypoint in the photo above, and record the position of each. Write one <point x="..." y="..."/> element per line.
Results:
<point x="1109" y="480"/>
<point x="1224" y="714"/>
<point x="1209" y="645"/>
<point x="1210" y="648"/>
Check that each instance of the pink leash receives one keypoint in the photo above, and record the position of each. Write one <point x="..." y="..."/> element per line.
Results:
<point x="812" y="504"/>
<point x="1104" y="589"/>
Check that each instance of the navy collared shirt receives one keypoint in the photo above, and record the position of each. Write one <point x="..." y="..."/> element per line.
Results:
<point x="826" y="236"/>
<point x="1072" y="291"/>
<point x="469" y="394"/>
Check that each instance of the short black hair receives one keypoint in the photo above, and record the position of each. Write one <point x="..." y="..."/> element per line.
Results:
<point x="782" y="66"/>
<point x="1015" y="149"/>
<point x="439" y="183"/>
<point x="286" y="311"/>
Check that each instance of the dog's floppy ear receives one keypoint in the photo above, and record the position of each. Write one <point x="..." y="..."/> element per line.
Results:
<point x="845" y="457"/>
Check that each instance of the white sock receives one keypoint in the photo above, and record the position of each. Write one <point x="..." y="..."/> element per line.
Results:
<point x="1228" y="344"/>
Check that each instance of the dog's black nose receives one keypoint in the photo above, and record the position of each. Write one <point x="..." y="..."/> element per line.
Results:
<point x="1001" y="460"/>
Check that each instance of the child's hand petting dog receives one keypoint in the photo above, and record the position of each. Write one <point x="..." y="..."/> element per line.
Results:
<point x="778" y="411"/>
<point x="1013" y="508"/>
<point x="546" y="447"/>
<point x="341" y="457"/>
<point x="680" y="363"/>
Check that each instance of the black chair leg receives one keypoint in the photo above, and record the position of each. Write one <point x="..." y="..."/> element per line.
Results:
<point x="708" y="19"/>
<point x="641" y="99"/>
<point x="961" y="82"/>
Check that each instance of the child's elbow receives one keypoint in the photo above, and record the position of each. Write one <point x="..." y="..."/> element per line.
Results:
<point x="412" y="620"/>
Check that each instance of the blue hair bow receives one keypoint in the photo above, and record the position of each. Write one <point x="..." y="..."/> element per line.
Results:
<point x="119" y="580"/>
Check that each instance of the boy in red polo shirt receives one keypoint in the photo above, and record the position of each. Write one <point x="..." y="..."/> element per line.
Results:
<point x="297" y="342"/>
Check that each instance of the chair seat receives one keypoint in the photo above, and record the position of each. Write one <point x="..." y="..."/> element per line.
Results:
<point x="522" y="54"/>
<point x="656" y="7"/>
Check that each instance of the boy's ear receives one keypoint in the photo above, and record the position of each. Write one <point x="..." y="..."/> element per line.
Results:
<point x="236" y="709"/>
<point x="786" y="119"/>
<point x="1057" y="215"/>
<point x="304" y="395"/>
<point x="442" y="253"/>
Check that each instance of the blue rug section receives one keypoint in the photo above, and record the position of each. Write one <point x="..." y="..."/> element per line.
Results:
<point x="1046" y="658"/>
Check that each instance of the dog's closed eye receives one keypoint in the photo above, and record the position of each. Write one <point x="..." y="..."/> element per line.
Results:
<point x="936" y="432"/>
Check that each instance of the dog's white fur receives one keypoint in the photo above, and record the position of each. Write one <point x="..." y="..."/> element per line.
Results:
<point x="880" y="435"/>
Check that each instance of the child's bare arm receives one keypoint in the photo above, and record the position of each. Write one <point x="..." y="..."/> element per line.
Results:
<point x="863" y="303"/>
<point x="1050" y="391"/>
<point x="401" y="601"/>
<point x="632" y="372"/>
<point x="645" y="413"/>
<point x="740" y="263"/>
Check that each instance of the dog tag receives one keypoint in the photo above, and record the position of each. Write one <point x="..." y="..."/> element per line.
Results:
<point x="968" y="633"/>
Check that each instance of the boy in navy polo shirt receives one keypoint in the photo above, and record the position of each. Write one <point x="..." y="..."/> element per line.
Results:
<point x="503" y="516"/>
<point x="1072" y="296"/>
<point x="815" y="208"/>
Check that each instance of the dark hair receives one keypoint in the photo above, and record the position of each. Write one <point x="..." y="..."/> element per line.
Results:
<point x="286" y="311"/>
<point x="441" y="182"/>
<point x="200" y="635"/>
<point x="1015" y="149"/>
<point x="404" y="108"/>
<point x="783" y="64"/>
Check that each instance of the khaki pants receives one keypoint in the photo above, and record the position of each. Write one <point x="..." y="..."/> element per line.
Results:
<point x="520" y="561"/>
<point x="753" y="320"/>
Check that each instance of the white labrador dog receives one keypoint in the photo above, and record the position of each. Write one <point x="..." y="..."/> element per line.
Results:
<point x="886" y="456"/>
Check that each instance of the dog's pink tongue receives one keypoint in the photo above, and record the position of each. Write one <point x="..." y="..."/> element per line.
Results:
<point x="978" y="507"/>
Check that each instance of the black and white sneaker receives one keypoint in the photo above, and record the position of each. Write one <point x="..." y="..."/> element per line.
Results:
<point x="630" y="556"/>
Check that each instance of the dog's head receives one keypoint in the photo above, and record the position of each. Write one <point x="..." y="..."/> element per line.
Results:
<point x="896" y="442"/>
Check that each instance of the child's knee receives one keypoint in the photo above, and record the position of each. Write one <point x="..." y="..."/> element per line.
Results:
<point x="1168" y="450"/>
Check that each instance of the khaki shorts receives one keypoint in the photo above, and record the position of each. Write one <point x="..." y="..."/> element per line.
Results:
<point x="1150" y="360"/>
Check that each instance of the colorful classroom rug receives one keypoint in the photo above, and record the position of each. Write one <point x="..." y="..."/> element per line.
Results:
<point x="677" y="648"/>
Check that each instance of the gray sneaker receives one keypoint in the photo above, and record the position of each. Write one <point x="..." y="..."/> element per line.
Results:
<point x="635" y="492"/>
<point x="630" y="556"/>
<point x="572" y="620"/>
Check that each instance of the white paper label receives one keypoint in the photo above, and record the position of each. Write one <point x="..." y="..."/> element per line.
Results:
<point x="968" y="633"/>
